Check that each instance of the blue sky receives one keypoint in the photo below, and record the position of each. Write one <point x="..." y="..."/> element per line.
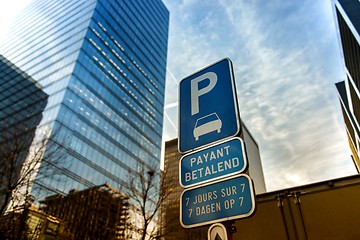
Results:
<point x="286" y="60"/>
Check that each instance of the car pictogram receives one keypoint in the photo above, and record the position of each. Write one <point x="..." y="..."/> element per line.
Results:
<point x="207" y="124"/>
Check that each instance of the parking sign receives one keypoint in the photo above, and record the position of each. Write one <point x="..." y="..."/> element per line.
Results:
<point x="208" y="109"/>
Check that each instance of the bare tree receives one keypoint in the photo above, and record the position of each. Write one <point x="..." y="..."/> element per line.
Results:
<point x="22" y="156"/>
<point x="148" y="190"/>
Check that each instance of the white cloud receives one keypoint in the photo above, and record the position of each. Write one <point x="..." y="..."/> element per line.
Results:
<point x="285" y="66"/>
<point x="8" y="10"/>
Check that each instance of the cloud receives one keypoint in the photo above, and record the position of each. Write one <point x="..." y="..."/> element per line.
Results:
<point x="284" y="68"/>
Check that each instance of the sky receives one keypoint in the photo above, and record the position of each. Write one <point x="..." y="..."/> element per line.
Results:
<point x="9" y="10"/>
<point x="286" y="58"/>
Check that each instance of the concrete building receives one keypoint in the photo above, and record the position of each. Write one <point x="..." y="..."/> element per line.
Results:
<point x="348" y="22"/>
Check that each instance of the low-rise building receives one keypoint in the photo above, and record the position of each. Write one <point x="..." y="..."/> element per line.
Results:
<point x="99" y="212"/>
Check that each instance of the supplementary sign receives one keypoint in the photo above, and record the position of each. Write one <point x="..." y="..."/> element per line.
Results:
<point x="228" y="199"/>
<point x="211" y="163"/>
<point x="217" y="231"/>
<point x="208" y="109"/>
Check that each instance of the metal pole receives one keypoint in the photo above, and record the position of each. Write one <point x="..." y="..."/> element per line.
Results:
<point x="297" y="201"/>
<point x="279" y="199"/>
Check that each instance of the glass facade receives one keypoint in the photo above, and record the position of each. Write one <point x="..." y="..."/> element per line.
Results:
<point x="103" y="65"/>
<point x="348" y="21"/>
<point x="22" y="102"/>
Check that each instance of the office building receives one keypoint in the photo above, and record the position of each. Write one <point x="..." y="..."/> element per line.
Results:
<point x="348" y="22"/>
<point x="171" y="207"/>
<point x="22" y="102"/>
<point x="103" y="64"/>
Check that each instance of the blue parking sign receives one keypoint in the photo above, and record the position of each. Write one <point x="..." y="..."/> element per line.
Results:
<point x="208" y="109"/>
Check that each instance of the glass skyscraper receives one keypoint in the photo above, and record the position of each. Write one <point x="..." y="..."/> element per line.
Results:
<point x="348" y="20"/>
<point x="22" y="103"/>
<point x="103" y="65"/>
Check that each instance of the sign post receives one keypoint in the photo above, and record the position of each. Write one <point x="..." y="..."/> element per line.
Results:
<point x="211" y="171"/>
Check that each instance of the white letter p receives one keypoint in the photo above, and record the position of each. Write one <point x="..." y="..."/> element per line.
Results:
<point x="196" y="92"/>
